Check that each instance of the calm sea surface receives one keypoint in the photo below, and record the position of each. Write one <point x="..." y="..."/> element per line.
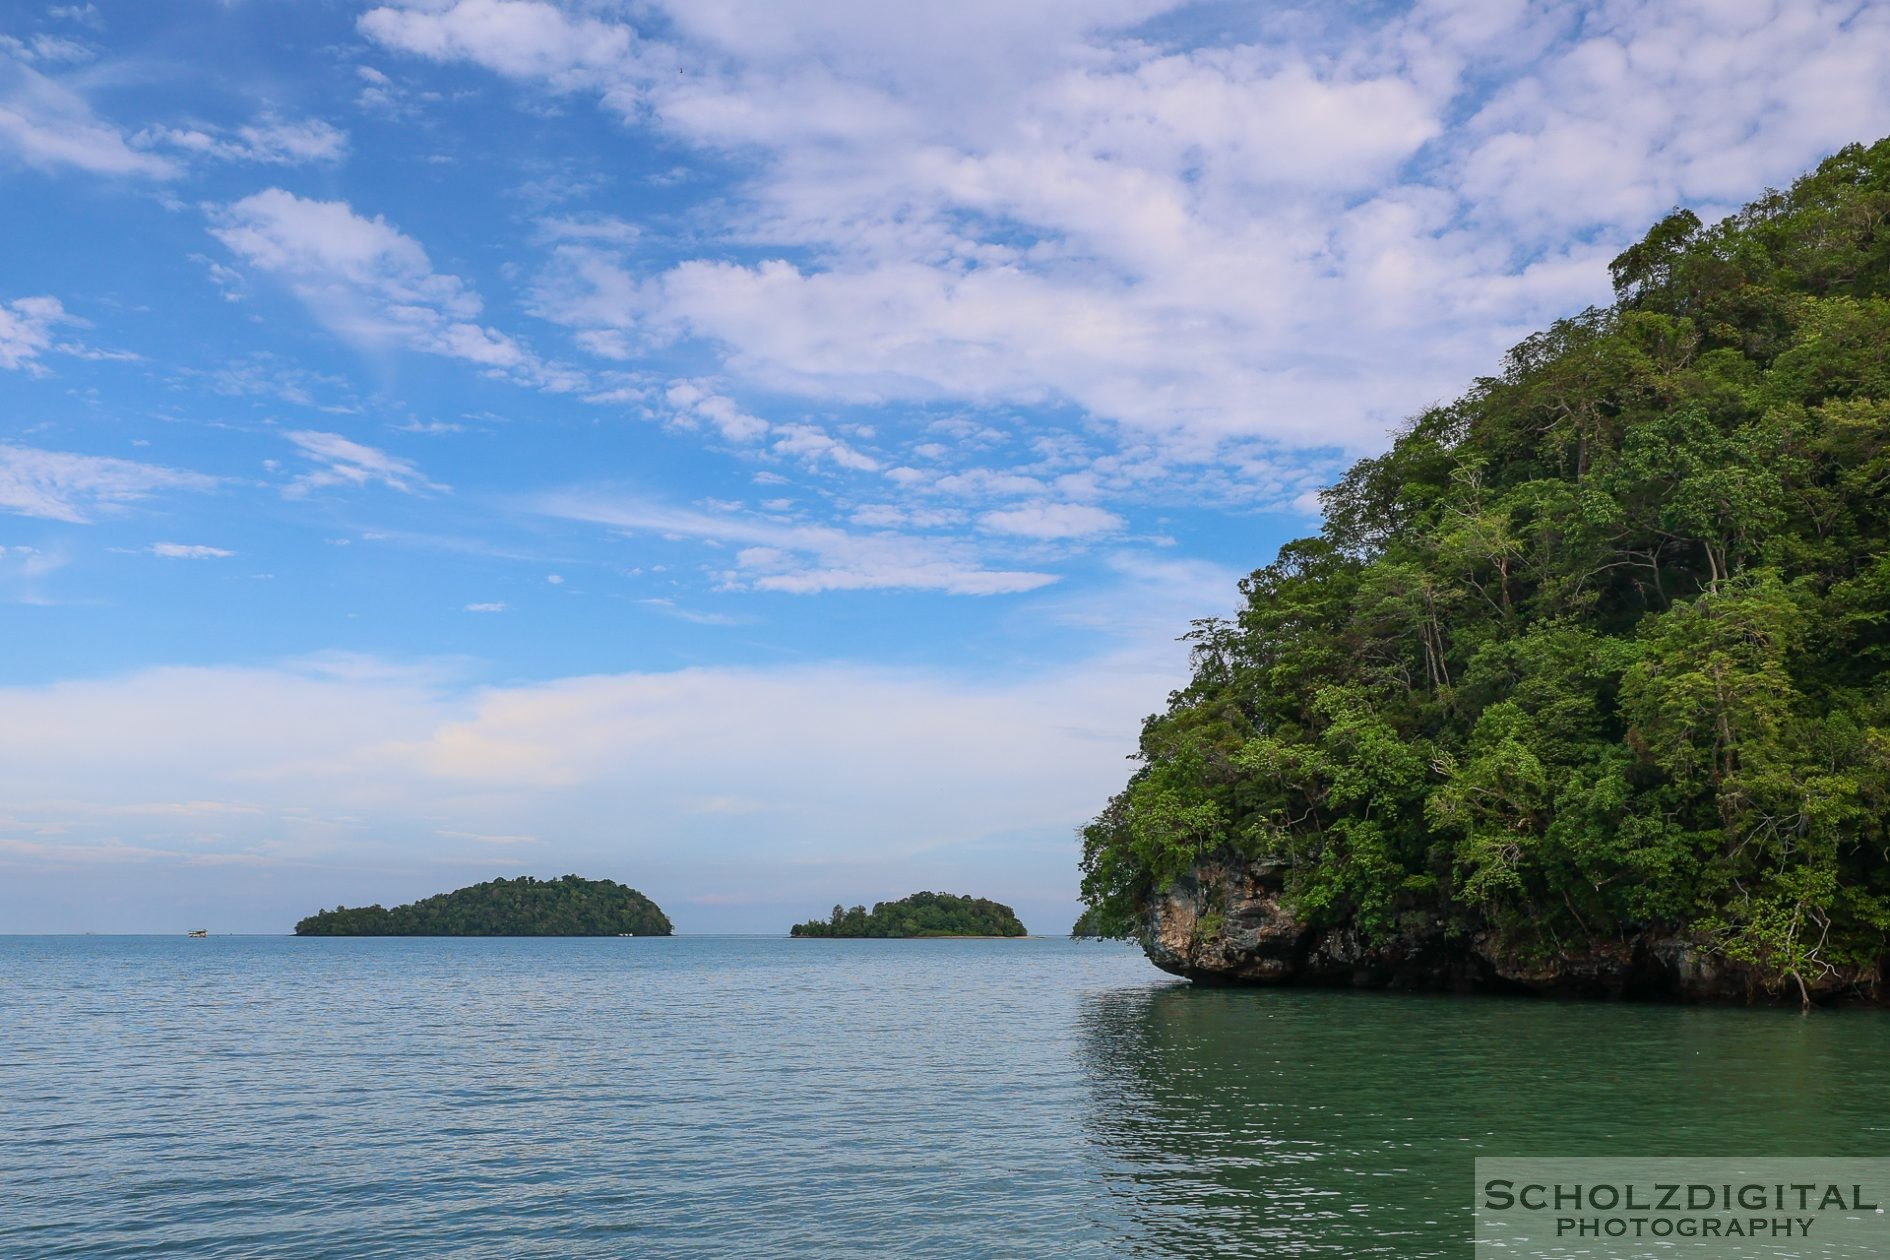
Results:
<point x="739" y="1096"/>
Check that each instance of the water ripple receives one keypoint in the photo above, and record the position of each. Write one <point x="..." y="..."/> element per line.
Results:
<point x="264" y="1097"/>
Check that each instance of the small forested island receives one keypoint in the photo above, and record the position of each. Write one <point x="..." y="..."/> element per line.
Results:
<point x="921" y="914"/>
<point x="1585" y="685"/>
<point x="524" y="906"/>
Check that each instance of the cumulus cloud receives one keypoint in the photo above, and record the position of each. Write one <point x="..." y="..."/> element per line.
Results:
<point x="692" y="402"/>
<point x="370" y="283"/>
<point x="341" y="461"/>
<point x="1299" y="232"/>
<point x="519" y="38"/>
<point x="62" y="486"/>
<point x="813" y="445"/>
<point x="1051" y="520"/>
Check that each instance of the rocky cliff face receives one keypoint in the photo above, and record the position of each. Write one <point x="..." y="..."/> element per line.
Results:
<point x="1224" y="923"/>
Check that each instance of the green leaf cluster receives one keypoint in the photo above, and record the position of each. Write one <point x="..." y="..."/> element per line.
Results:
<point x="568" y="906"/>
<point x="1600" y="649"/>
<point x="921" y="914"/>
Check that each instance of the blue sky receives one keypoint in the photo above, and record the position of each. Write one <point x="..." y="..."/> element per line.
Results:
<point x="759" y="451"/>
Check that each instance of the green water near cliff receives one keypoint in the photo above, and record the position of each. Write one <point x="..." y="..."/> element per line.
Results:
<point x="691" y="1097"/>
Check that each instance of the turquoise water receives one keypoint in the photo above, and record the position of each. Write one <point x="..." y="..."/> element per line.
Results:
<point x="738" y="1096"/>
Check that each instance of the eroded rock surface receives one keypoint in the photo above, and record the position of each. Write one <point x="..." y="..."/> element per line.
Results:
<point x="1225" y="923"/>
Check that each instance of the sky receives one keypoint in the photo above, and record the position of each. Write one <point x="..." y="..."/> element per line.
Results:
<point x="756" y="450"/>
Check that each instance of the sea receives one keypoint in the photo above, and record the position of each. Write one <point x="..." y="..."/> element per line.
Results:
<point x="708" y="1096"/>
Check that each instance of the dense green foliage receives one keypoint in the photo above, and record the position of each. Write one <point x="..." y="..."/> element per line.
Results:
<point x="1602" y="648"/>
<point x="505" y="907"/>
<point x="921" y="914"/>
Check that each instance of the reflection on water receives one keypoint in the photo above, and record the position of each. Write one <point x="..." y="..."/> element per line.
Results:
<point x="244" y="1097"/>
<point x="1295" y="1122"/>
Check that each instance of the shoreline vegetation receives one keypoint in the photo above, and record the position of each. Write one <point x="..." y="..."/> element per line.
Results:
<point x="568" y="906"/>
<point x="1584" y="685"/>
<point x="923" y="914"/>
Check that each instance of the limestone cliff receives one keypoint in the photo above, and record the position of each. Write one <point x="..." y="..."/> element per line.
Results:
<point x="1225" y="923"/>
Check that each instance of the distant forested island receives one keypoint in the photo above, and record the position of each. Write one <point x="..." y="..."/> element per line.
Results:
<point x="1584" y="686"/>
<point x="524" y="906"/>
<point x="921" y="914"/>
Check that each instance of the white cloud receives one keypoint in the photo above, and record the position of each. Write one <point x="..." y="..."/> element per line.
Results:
<point x="894" y="516"/>
<point x="370" y="283"/>
<point x="343" y="462"/>
<point x="83" y="14"/>
<point x="49" y="126"/>
<point x="812" y="445"/>
<point x="496" y="606"/>
<point x="26" y="330"/>
<point x="1299" y="235"/>
<point x="270" y="140"/>
<point x="61" y="486"/>
<point x="188" y="551"/>
<point x="692" y="402"/>
<point x="45" y="49"/>
<point x="805" y="559"/>
<point x="486" y="838"/>
<point x="519" y="38"/>
<point x="20" y="565"/>
<point x="1052" y="520"/>
<point x="602" y="228"/>
<point x="357" y="775"/>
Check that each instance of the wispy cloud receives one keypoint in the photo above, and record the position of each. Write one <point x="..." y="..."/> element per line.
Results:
<point x="370" y="283"/>
<point x="26" y="330"/>
<point x="189" y="551"/>
<point x="45" y="49"/>
<point x="803" y="559"/>
<point x="270" y="140"/>
<point x="47" y="125"/>
<point x="62" y="486"/>
<point x="342" y="461"/>
<point x="487" y="838"/>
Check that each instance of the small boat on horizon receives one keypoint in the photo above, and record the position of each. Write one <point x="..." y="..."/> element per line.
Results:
<point x="197" y="933"/>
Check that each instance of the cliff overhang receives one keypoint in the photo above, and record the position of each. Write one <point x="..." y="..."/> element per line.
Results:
<point x="1231" y="922"/>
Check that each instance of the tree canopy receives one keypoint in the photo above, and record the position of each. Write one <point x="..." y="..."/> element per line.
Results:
<point x="568" y="906"/>
<point x="921" y="914"/>
<point x="1599" y="648"/>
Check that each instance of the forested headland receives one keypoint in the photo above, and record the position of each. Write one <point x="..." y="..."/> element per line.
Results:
<point x="568" y="906"/>
<point x="921" y="914"/>
<point x="1590" y="670"/>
